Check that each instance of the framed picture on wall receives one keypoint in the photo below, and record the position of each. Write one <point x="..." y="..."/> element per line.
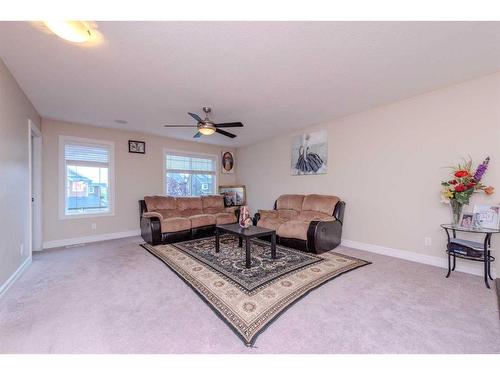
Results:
<point x="234" y="195"/>
<point x="309" y="153"/>
<point x="227" y="162"/>
<point x="137" y="147"/>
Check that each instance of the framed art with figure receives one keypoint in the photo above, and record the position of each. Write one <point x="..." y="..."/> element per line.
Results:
<point x="227" y="162"/>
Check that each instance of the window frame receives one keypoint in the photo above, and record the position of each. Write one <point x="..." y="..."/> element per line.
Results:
<point x="189" y="154"/>
<point x="64" y="139"/>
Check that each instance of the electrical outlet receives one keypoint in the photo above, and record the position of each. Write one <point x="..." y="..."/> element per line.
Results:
<point x="21" y="248"/>
<point x="94" y="226"/>
<point x="428" y="241"/>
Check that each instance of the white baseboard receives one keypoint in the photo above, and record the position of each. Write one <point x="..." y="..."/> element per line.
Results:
<point x="88" y="239"/>
<point x="415" y="257"/>
<point x="11" y="280"/>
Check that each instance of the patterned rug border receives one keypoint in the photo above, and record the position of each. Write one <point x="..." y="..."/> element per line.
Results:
<point x="251" y="343"/>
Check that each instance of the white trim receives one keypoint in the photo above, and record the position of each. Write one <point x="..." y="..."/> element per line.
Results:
<point x="12" y="279"/>
<point x="62" y="177"/>
<point x="88" y="239"/>
<point x="189" y="154"/>
<point x="414" y="257"/>
<point x="34" y="178"/>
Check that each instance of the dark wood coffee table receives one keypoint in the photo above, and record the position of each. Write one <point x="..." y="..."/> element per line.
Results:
<point x="247" y="234"/>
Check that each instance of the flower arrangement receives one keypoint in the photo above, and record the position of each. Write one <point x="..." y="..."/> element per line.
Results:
<point x="464" y="183"/>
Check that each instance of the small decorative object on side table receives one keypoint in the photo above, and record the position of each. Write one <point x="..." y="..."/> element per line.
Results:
<point x="470" y="250"/>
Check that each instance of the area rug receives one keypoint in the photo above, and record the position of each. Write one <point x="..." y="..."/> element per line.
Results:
<point x="248" y="300"/>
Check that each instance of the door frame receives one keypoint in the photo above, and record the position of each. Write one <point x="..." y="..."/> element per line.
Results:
<point x="35" y="187"/>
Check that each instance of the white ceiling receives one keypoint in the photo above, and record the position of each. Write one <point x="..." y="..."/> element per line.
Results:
<point x="272" y="76"/>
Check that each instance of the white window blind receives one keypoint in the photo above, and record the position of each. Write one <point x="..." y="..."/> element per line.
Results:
<point x="87" y="172"/>
<point x="74" y="152"/>
<point x="190" y="175"/>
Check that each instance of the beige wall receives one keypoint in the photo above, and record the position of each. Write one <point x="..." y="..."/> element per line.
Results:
<point x="136" y="175"/>
<point x="15" y="110"/>
<point x="386" y="164"/>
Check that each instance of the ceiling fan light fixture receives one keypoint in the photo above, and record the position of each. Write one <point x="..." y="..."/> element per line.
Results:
<point x="206" y="130"/>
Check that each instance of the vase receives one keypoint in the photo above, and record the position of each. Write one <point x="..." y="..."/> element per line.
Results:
<point x="456" y="211"/>
<point x="245" y="221"/>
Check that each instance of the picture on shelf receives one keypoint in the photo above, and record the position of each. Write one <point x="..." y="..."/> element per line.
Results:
<point x="467" y="220"/>
<point x="234" y="195"/>
<point x="487" y="216"/>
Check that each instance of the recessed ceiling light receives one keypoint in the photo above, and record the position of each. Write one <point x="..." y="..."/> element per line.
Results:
<point x="74" y="31"/>
<point x="121" y="121"/>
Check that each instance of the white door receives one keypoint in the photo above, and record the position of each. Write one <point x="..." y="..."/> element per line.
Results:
<point x="35" y="204"/>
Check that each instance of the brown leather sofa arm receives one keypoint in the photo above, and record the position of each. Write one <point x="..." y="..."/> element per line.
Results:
<point x="256" y="218"/>
<point x="151" y="229"/>
<point x="323" y="235"/>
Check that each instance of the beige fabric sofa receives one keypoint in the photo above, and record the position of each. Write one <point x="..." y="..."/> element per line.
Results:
<point x="166" y="219"/>
<point x="308" y="222"/>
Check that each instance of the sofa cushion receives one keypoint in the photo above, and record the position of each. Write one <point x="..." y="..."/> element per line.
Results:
<point x="212" y="204"/>
<point x="270" y="223"/>
<point x="320" y="203"/>
<point x="313" y="215"/>
<point x="225" y="218"/>
<point x="268" y="214"/>
<point x="175" y="224"/>
<point x="290" y="202"/>
<point x="169" y="213"/>
<point x="202" y="220"/>
<point x="294" y="229"/>
<point x="287" y="214"/>
<point x="189" y="206"/>
<point x="157" y="202"/>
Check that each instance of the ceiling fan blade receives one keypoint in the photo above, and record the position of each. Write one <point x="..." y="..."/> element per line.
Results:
<point x="197" y="135"/>
<point x="196" y="117"/>
<point x="229" y="125"/>
<point x="180" y="126"/>
<point x="227" y="134"/>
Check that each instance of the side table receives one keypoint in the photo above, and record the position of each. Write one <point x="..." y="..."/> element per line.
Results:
<point x="470" y="250"/>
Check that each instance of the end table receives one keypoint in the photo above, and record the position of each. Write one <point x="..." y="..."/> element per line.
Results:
<point x="470" y="250"/>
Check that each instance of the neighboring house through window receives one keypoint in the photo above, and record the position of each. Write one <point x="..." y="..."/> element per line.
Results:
<point x="189" y="174"/>
<point x="86" y="168"/>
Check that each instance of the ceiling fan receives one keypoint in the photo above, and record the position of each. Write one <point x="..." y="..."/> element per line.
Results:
<point x="208" y="127"/>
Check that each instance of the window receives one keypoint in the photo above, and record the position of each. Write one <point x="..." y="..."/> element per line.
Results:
<point x="86" y="170"/>
<point x="189" y="175"/>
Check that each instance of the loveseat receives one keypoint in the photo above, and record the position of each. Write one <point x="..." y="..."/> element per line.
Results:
<point x="311" y="223"/>
<point x="167" y="219"/>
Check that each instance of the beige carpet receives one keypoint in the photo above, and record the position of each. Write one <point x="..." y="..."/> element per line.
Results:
<point x="114" y="297"/>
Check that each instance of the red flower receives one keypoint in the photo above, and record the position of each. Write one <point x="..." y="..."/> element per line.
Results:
<point x="453" y="182"/>
<point x="461" y="174"/>
<point x="471" y="184"/>
<point x="460" y="188"/>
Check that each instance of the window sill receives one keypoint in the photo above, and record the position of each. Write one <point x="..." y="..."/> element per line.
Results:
<point x="84" y="216"/>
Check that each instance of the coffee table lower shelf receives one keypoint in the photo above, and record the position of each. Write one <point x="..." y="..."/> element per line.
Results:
<point x="247" y="234"/>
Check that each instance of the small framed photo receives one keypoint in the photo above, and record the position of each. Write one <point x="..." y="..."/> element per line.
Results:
<point x="234" y="195"/>
<point x="487" y="216"/>
<point x="467" y="220"/>
<point x="137" y="147"/>
<point x="227" y="162"/>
